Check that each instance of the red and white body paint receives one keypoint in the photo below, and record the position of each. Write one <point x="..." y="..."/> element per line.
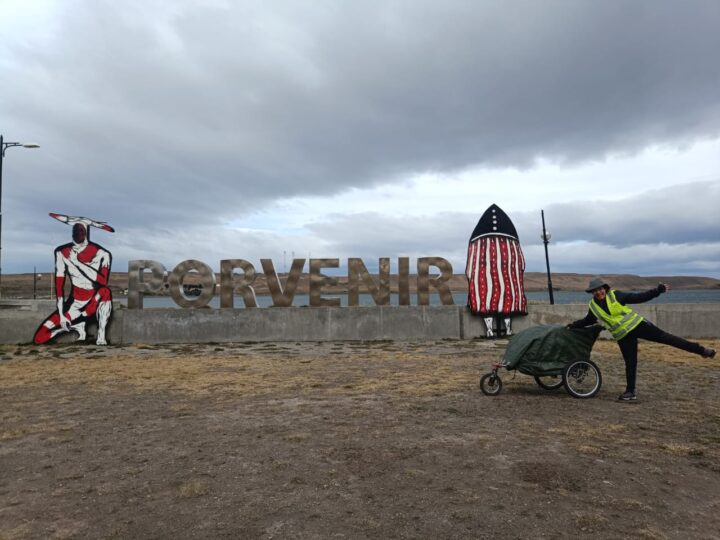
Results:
<point x="87" y="264"/>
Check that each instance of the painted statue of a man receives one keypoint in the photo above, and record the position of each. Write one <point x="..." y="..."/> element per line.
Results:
<point x="87" y="264"/>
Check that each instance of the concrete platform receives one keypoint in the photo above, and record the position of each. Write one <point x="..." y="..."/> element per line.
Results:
<point x="19" y="319"/>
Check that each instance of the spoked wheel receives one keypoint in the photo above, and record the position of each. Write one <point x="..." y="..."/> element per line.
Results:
<point x="549" y="382"/>
<point x="490" y="384"/>
<point x="582" y="379"/>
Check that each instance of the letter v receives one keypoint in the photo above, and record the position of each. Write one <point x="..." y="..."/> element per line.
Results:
<point x="280" y="297"/>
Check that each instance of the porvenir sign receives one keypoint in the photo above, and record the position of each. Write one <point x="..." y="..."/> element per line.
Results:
<point x="238" y="275"/>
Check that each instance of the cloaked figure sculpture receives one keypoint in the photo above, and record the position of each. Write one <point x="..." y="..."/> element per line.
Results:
<point x="87" y="264"/>
<point x="495" y="267"/>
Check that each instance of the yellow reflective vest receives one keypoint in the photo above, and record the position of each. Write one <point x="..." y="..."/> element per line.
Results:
<point x="620" y="321"/>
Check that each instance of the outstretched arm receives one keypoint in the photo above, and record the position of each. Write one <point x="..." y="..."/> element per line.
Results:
<point x="640" y="297"/>
<point x="588" y="320"/>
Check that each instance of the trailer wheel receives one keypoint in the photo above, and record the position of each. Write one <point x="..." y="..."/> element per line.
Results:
<point x="490" y="384"/>
<point x="549" y="382"/>
<point x="582" y="379"/>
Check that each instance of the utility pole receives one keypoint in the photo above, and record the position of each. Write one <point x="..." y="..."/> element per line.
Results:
<point x="4" y="146"/>
<point x="546" y="240"/>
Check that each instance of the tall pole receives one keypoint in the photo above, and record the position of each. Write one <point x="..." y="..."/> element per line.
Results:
<point x="546" y="240"/>
<point x="2" y="155"/>
<point x="4" y="146"/>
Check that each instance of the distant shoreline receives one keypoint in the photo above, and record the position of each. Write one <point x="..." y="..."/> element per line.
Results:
<point x="21" y="285"/>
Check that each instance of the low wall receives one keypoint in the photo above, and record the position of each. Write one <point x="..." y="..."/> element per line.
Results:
<point x="20" y="319"/>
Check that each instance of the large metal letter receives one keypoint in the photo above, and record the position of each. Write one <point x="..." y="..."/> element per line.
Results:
<point x="358" y="271"/>
<point x="137" y="286"/>
<point x="424" y="281"/>
<point x="207" y="279"/>
<point x="282" y="298"/>
<point x="404" y="281"/>
<point x="227" y="283"/>
<point x="317" y="280"/>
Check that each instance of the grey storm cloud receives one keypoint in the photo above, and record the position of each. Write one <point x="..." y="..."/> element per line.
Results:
<point x="656" y="228"/>
<point x="171" y="120"/>
<point x="210" y="109"/>
<point x="681" y="214"/>
<point x="387" y="234"/>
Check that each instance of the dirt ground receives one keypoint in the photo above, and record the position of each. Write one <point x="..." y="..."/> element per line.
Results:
<point x="350" y="440"/>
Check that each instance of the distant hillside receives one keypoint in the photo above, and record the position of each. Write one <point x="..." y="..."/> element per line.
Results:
<point x="535" y="281"/>
<point x="21" y="285"/>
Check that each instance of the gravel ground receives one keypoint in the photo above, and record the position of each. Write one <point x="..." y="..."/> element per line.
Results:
<point x="350" y="440"/>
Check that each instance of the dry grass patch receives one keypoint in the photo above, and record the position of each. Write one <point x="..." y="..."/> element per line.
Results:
<point x="193" y="489"/>
<point x="403" y="373"/>
<point x="682" y="449"/>
<point x="16" y="533"/>
<point x="591" y="450"/>
<point x="651" y="533"/>
<point x="589" y="521"/>
<point x="334" y="439"/>
<point x="46" y="428"/>
<point x="586" y="431"/>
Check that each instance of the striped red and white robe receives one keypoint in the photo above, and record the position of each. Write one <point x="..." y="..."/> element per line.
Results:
<point x="495" y="267"/>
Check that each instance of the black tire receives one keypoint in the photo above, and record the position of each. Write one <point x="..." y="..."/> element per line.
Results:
<point x="490" y="384"/>
<point x="582" y="379"/>
<point x="549" y="382"/>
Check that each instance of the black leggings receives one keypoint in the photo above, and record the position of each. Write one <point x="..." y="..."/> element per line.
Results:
<point x="647" y="330"/>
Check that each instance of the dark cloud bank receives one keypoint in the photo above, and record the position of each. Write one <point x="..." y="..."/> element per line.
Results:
<point x="189" y="117"/>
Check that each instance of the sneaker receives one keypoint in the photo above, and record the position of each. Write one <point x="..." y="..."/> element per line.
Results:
<point x="627" y="396"/>
<point x="707" y="353"/>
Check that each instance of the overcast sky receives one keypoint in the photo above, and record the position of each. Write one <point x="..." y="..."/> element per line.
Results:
<point x="261" y="129"/>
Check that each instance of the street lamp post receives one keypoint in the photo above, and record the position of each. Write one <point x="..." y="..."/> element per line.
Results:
<point x="4" y="146"/>
<point x="546" y="240"/>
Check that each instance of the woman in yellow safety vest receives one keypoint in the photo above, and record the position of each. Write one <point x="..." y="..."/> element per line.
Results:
<point x="609" y="307"/>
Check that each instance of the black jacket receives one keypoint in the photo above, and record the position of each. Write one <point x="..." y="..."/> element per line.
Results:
<point x="622" y="297"/>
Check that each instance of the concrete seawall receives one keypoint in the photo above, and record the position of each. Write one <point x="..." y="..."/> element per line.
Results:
<point x="19" y="320"/>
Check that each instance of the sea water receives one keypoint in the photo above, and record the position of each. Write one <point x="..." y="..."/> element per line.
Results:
<point x="695" y="296"/>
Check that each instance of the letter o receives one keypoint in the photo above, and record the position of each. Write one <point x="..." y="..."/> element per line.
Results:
<point x="207" y="279"/>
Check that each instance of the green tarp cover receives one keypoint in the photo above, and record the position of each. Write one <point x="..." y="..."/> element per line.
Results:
<point x="545" y="350"/>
